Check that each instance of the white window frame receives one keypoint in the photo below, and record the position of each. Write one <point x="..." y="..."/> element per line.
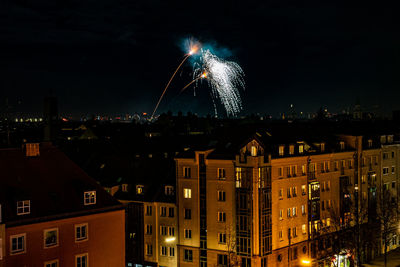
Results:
<point x="23" y="207"/>
<point x="80" y="226"/>
<point x="84" y="255"/>
<point x="44" y="238"/>
<point x="18" y="251"/>
<point x="89" y="197"/>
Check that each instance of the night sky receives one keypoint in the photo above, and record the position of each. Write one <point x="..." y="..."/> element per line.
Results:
<point x="117" y="56"/>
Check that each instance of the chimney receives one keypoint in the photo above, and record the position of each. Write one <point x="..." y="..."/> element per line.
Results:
<point x="32" y="149"/>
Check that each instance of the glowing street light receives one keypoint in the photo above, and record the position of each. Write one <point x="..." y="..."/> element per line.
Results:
<point x="170" y="239"/>
<point x="306" y="262"/>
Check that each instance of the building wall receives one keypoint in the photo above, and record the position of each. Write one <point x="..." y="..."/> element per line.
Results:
<point x="105" y="245"/>
<point x="2" y="244"/>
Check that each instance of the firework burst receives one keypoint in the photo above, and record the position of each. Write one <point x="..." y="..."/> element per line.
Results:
<point x="225" y="79"/>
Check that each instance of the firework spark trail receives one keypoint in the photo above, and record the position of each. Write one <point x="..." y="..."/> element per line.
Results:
<point x="202" y="76"/>
<point x="225" y="78"/>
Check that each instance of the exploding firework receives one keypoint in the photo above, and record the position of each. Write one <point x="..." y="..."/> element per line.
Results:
<point x="193" y="49"/>
<point x="225" y="79"/>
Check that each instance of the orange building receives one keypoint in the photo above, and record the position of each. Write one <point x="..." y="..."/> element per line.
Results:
<point x="53" y="214"/>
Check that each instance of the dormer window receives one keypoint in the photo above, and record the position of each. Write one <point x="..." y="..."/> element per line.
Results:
<point x="341" y="145"/>
<point x="281" y="150"/>
<point x="291" y="149"/>
<point x="139" y="189"/>
<point x="23" y="207"/>
<point x="124" y="187"/>
<point x="369" y="143"/>
<point x="253" y="151"/>
<point x="301" y="149"/>
<point x="90" y="197"/>
<point x="383" y="139"/>
<point x="169" y="190"/>
<point x="322" y="147"/>
<point x="390" y="138"/>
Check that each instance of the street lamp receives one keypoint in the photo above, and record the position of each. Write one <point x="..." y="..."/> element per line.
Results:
<point x="305" y="262"/>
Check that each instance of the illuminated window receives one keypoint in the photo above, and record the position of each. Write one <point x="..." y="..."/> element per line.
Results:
<point x="221" y="173"/>
<point x="363" y="178"/>
<point x="303" y="169"/>
<point x="50" y="237"/>
<point x="17" y="244"/>
<point x="304" y="229"/>
<point x="294" y="211"/>
<point x="253" y="151"/>
<point x="187" y="193"/>
<point x="303" y="209"/>
<point x="23" y="207"/>
<point x="280" y="214"/>
<point x="186" y="172"/>
<point x="281" y="150"/>
<point x="301" y="149"/>
<point x="289" y="211"/>
<point x="139" y="189"/>
<point x="303" y="190"/>
<point x="82" y="260"/>
<point x="238" y="177"/>
<point x="90" y="197"/>
<point x="291" y="149"/>
<point x="53" y="263"/>
<point x="294" y="190"/>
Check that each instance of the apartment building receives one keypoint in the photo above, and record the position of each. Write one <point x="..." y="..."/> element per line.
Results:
<point x="53" y="214"/>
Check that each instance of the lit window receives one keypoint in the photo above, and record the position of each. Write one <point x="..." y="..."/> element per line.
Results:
<point x="281" y="150"/>
<point x="221" y="173"/>
<point x="139" y="189"/>
<point x="304" y="229"/>
<point x="50" y="237"/>
<point x="303" y="190"/>
<point x="53" y="263"/>
<point x="294" y="211"/>
<point x="303" y="209"/>
<point x="280" y="214"/>
<point x="238" y="177"/>
<point x="23" y="207"/>
<point x="328" y="222"/>
<point x="253" y="151"/>
<point x="17" y="244"/>
<point x="187" y="193"/>
<point x="301" y="149"/>
<point x="303" y="169"/>
<point x="90" y="197"/>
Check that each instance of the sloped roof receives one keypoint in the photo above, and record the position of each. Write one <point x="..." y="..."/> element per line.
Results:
<point x="52" y="182"/>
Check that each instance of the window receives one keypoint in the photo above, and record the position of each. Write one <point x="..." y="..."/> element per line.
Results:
<point x="17" y="244"/>
<point x="82" y="260"/>
<point x="322" y="147"/>
<point x="23" y="207"/>
<point x="171" y="231"/>
<point x="351" y="164"/>
<point x="294" y="211"/>
<point x="281" y="150"/>
<point x="253" y="151"/>
<point x="281" y="193"/>
<point x="139" y="189"/>
<point x="187" y="193"/>
<point x="301" y="149"/>
<point x="222" y="260"/>
<point x="188" y="255"/>
<point x="148" y="210"/>
<point x="186" y="172"/>
<point x="149" y="249"/>
<point x="328" y="185"/>
<point x="124" y="188"/>
<point x="323" y="186"/>
<point x="289" y="192"/>
<point x="304" y="229"/>
<point x="149" y="229"/>
<point x="293" y="170"/>
<point x="90" y="197"/>
<point x="303" y="169"/>
<point x="169" y="190"/>
<point x="221" y="216"/>
<point x="291" y="149"/>
<point x="341" y="145"/>
<point x="328" y="204"/>
<point x="385" y="170"/>
<point x="50" y="237"/>
<point x="294" y="191"/>
<point x="392" y="154"/>
<point x="369" y="143"/>
<point x="171" y="212"/>
<point x="303" y="209"/>
<point x="294" y="230"/>
<point x="238" y="177"/>
<point x="163" y="211"/>
<point x="325" y="167"/>
<point x="393" y="184"/>
<point x="328" y="222"/>
<point x="393" y="169"/>
<point x="303" y="190"/>
<point x="188" y="233"/>
<point x="289" y="211"/>
<point x="53" y="263"/>
<point x="280" y="171"/>
<point x="336" y="165"/>
<point x="164" y="251"/>
<point x="221" y="195"/>
<point x="171" y="251"/>
<point x="280" y="235"/>
<point x="364" y="196"/>
<point x="280" y="214"/>
<point x="385" y="155"/>
<point x="322" y="205"/>
<point x="188" y="214"/>
<point x="81" y="232"/>
<point x="383" y="139"/>
<point x="222" y="238"/>
<point x="221" y="173"/>
<point x="289" y="171"/>
<point x="163" y="230"/>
